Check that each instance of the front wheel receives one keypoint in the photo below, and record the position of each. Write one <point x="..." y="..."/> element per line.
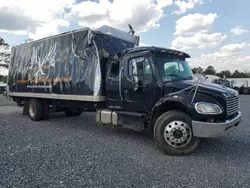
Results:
<point x="173" y="133"/>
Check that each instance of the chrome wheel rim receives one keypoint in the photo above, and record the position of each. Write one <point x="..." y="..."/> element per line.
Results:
<point x="32" y="109"/>
<point x="177" y="133"/>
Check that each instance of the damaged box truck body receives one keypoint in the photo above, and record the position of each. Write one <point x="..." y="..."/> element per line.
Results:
<point x="143" y="88"/>
<point x="68" y="66"/>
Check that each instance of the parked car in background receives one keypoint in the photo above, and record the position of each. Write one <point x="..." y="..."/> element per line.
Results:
<point x="223" y="82"/>
<point x="241" y="85"/>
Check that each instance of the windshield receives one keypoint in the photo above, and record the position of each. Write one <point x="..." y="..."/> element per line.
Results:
<point x="173" y="69"/>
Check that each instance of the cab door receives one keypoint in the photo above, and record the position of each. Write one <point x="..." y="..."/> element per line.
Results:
<point x="113" y="86"/>
<point x="138" y="84"/>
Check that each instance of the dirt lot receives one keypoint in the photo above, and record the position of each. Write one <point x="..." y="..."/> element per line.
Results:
<point x="76" y="152"/>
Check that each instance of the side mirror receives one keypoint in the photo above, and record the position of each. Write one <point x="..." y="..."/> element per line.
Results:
<point x="134" y="72"/>
<point x="135" y="77"/>
<point x="136" y="81"/>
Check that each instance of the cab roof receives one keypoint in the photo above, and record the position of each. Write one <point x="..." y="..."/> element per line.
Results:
<point x="154" y="49"/>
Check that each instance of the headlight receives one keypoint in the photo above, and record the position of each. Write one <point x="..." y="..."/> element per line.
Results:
<point x="207" y="108"/>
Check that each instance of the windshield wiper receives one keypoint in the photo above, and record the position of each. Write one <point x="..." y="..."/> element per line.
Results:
<point x="189" y="77"/>
<point x="177" y="75"/>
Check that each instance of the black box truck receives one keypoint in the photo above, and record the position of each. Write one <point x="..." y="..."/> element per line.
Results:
<point x="143" y="88"/>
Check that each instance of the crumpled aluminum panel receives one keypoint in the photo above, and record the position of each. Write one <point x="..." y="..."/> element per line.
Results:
<point x="70" y="63"/>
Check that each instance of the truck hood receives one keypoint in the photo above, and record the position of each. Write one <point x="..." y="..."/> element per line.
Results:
<point x="204" y="87"/>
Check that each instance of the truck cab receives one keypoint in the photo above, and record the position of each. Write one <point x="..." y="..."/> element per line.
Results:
<point x="154" y="89"/>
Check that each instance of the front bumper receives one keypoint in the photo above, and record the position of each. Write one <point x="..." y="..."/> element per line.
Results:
<point x="206" y="129"/>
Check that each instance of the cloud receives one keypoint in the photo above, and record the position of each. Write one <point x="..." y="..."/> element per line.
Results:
<point x="13" y="19"/>
<point x="184" y="5"/>
<point x="39" y="19"/>
<point x="199" y="40"/>
<point x="245" y="60"/>
<point x="16" y="32"/>
<point x="238" y="30"/>
<point x="143" y="44"/>
<point x="232" y="48"/>
<point x="141" y="14"/>
<point x="48" y="29"/>
<point x="229" y="56"/>
<point x="164" y="3"/>
<point x="19" y="17"/>
<point x="193" y="23"/>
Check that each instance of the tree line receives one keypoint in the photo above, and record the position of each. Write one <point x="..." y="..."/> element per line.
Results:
<point x="210" y="70"/>
<point x="3" y="59"/>
<point x="3" y="79"/>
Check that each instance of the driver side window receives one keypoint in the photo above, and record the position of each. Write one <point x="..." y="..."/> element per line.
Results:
<point x="114" y="70"/>
<point x="140" y="67"/>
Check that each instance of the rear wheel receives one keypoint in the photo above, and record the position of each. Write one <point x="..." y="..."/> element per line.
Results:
<point x="74" y="112"/>
<point x="173" y="133"/>
<point x="35" y="109"/>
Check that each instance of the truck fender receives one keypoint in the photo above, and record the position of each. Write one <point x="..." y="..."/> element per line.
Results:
<point x="164" y="105"/>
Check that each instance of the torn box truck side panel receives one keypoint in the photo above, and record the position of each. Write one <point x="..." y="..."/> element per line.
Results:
<point x="67" y="66"/>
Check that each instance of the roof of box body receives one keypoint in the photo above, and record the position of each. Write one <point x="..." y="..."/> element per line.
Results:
<point x="157" y="50"/>
<point x="104" y="29"/>
<point x="53" y="36"/>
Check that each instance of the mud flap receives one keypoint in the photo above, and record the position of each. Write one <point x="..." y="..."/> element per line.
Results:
<point x="26" y="107"/>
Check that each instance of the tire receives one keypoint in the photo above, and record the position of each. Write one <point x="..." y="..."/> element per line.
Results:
<point x="245" y="91"/>
<point x="46" y="110"/>
<point x="173" y="133"/>
<point x="35" y="109"/>
<point x="73" y="112"/>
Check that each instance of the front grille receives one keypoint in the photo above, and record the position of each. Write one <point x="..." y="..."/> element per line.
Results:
<point x="232" y="105"/>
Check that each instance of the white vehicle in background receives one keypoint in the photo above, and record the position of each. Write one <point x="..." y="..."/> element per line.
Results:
<point x="242" y="85"/>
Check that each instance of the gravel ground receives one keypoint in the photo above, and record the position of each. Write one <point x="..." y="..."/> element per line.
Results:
<point x="76" y="152"/>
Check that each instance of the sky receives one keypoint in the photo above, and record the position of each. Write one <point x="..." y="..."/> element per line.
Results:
<point x="213" y="32"/>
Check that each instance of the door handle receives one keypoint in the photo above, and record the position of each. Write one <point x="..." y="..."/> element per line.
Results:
<point x="126" y="94"/>
<point x="137" y="86"/>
